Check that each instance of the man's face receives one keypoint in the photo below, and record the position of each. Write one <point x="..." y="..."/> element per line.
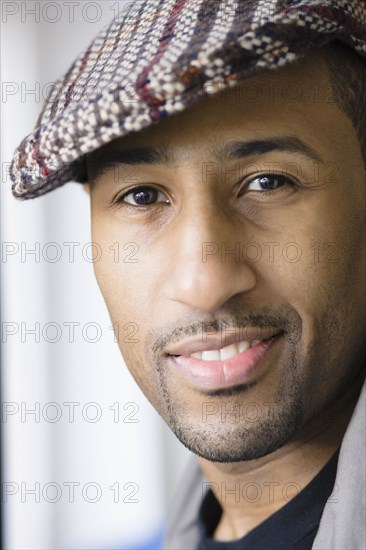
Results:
<point x="230" y="243"/>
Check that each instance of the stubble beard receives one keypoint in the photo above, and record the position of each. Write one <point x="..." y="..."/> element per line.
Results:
<point x="237" y="439"/>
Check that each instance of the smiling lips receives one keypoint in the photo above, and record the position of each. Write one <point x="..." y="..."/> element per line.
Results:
<point x="211" y="365"/>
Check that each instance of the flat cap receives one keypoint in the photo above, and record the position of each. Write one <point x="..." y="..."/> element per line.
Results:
<point x="157" y="59"/>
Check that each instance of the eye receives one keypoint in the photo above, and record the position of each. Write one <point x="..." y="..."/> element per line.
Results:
<point x="143" y="195"/>
<point x="268" y="183"/>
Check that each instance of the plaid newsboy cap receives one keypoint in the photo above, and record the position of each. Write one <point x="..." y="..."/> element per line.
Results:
<point x="157" y="59"/>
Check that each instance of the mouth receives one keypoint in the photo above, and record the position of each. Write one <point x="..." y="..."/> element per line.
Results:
<point x="237" y="363"/>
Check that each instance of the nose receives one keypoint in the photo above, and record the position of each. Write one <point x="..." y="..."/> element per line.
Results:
<point x="206" y="264"/>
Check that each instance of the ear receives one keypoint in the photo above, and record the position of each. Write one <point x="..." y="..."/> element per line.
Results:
<point x="86" y="187"/>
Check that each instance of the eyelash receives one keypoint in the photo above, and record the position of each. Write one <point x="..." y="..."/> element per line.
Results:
<point x="120" y="199"/>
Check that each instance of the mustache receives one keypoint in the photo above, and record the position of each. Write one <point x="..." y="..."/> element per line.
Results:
<point x="283" y="319"/>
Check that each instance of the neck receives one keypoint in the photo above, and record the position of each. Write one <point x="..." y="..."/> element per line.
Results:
<point x="277" y="477"/>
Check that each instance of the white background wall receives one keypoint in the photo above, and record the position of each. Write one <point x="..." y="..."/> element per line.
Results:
<point x="39" y="40"/>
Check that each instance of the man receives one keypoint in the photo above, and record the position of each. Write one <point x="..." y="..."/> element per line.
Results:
<point x="227" y="142"/>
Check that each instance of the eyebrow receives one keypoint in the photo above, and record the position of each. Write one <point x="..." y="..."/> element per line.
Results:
<point x="234" y="150"/>
<point x="290" y="144"/>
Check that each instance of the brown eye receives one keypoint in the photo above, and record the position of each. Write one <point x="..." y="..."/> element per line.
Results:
<point x="270" y="182"/>
<point x="143" y="196"/>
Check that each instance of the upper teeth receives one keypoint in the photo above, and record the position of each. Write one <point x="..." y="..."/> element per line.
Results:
<point x="224" y="353"/>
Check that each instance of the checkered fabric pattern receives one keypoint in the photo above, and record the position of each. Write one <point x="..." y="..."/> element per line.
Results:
<point x="158" y="59"/>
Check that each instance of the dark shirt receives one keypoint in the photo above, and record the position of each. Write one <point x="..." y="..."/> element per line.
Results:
<point x="292" y="527"/>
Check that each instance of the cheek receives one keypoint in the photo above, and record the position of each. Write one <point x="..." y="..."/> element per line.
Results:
<point x="125" y="288"/>
<point x="118" y="269"/>
<point x="323" y="273"/>
<point x="125" y="276"/>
